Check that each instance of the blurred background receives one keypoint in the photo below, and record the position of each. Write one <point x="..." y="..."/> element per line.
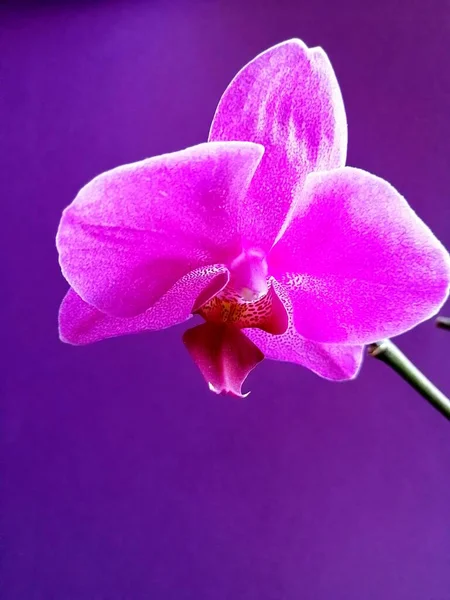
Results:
<point x="121" y="476"/>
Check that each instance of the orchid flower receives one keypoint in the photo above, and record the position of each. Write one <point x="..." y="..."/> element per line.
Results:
<point x="263" y="232"/>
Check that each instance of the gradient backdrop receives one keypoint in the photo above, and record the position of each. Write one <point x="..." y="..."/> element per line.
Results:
<point x="122" y="477"/>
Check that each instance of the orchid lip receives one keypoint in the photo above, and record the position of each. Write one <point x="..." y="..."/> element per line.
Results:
<point x="218" y="391"/>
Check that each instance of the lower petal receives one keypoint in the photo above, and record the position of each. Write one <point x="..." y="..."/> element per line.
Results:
<point x="80" y="323"/>
<point x="337" y="362"/>
<point x="224" y="355"/>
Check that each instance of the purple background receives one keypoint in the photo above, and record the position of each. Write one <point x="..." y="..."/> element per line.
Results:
<point x="122" y="477"/>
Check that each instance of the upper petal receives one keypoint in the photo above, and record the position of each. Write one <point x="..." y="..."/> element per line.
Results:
<point x="224" y="355"/>
<point x="287" y="99"/>
<point x="80" y="323"/>
<point x="337" y="362"/>
<point x="132" y="232"/>
<point x="358" y="262"/>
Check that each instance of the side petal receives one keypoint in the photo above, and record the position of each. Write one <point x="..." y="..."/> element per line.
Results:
<point x="287" y="99"/>
<point x="337" y="362"/>
<point x="224" y="355"/>
<point x="132" y="232"/>
<point x="358" y="262"/>
<point x="80" y="323"/>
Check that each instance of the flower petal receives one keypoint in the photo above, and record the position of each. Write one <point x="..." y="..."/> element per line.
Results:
<point x="224" y="355"/>
<point x="287" y="99"/>
<point x="337" y="362"/>
<point x="80" y="323"/>
<point x="358" y="262"/>
<point x="132" y="232"/>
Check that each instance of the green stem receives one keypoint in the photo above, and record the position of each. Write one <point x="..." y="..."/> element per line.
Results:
<point x="443" y="322"/>
<point x="388" y="353"/>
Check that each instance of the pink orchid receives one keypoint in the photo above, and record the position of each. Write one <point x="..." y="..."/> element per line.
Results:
<point x="285" y="252"/>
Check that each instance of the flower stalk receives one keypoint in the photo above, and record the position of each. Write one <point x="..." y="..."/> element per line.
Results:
<point x="443" y="322"/>
<point x="391" y="355"/>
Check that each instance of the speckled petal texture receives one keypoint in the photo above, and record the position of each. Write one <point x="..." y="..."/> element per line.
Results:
<point x="80" y="323"/>
<point x="337" y="362"/>
<point x="224" y="355"/>
<point x="288" y="100"/>
<point x="132" y="232"/>
<point x="358" y="263"/>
